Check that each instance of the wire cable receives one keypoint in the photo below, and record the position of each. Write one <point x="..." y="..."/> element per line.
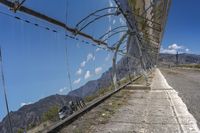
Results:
<point x="67" y="59"/>
<point x="4" y="91"/>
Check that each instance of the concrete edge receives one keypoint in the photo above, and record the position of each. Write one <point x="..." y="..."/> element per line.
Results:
<point x="58" y="126"/>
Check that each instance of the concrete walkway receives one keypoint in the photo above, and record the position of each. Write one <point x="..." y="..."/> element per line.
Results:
<point x="159" y="110"/>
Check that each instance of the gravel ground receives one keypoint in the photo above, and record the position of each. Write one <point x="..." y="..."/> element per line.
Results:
<point x="187" y="83"/>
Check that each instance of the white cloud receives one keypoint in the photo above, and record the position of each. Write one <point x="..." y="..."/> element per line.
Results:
<point x="107" y="57"/>
<point x="23" y="103"/>
<point x="114" y="21"/>
<point x="83" y="63"/>
<point x="121" y="20"/>
<point x="167" y="51"/>
<point x="110" y="3"/>
<point x="109" y="28"/>
<point x="187" y="50"/>
<point x="87" y="74"/>
<point x="98" y="49"/>
<point x="90" y="56"/>
<point x="175" y="46"/>
<point x="98" y="70"/>
<point x="110" y="10"/>
<point x="121" y="34"/>
<point x="62" y="89"/>
<point x="79" y="71"/>
<point x="77" y="81"/>
<point x="173" y="49"/>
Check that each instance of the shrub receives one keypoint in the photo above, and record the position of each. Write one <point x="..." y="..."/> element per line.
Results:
<point x="51" y="114"/>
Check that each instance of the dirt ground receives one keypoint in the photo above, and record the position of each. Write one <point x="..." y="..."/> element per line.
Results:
<point x="187" y="83"/>
<point x="102" y="113"/>
<point x="99" y="115"/>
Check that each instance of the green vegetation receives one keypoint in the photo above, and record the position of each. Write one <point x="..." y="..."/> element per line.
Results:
<point x="132" y="4"/>
<point x="103" y="91"/>
<point x="20" y="130"/>
<point x="31" y="126"/>
<point x="51" y="114"/>
<point x="100" y="114"/>
<point x="126" y="79"/>
<point x="103" y="112"/>
<point x="97" y="94"/>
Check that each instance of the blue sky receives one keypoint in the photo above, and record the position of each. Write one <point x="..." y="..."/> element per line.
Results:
<point x="35" y="59"/>
<point x="182" y="31"/>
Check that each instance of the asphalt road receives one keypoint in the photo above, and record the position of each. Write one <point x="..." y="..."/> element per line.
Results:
<point x="187" y="83"/>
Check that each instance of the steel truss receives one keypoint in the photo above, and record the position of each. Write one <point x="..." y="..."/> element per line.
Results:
<point x="81" y="25"/>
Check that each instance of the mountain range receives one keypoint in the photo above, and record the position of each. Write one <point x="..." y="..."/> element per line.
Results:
<point x="32" y="114"/>
<point x="183" y="58"/>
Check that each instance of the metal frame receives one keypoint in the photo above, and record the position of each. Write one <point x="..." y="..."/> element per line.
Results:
<point x="5" y="94"/>
<point x="121" y="31"/>
<point x="52" y="21"/>
<point x="93" y="14"/>
<point x="97" y="18"/>
<point x="146" y="19"/>
<point x="116" y="28"/>
<point x="17" y="5"/>
<point x="114" y="67"/>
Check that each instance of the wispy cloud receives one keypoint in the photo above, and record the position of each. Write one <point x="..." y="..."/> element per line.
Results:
<point x="87" y="74"/>
<point x="110" y="3"/>
<point x="79" y="71"/>
<point x="61" y="90"/>
<point x="90" y="56"/>
<point x="174" y="48"/>
<point x="83" y="64"/>
<point x="98" y="70"/>
<point x="110" y="10"/>
<point x="98" y="49"/>
<point x="24" y="103"/>
<point x="77" y="81"/>
<point x="109" y="28"/>
<point x="187" y="50"/>
<point x="114" y="21"/>
<point x="121" y="21"/>
<point x="107" y="57"/>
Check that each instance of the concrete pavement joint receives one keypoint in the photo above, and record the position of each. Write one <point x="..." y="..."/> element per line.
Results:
<point x="186" y="113"/>
<point x="174" y="111"/>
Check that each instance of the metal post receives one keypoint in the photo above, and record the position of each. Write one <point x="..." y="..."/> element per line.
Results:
<point x="114" y="60"/>
<point x="4" y="91"/>
<point x="141" y="60"/>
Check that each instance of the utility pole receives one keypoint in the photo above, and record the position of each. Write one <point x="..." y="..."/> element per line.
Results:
<point x="4" y="91"/>
<point x="177" y="62"/>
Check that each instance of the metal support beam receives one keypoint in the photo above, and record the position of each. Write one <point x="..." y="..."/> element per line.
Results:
<point x="152" y="4"/>
<point x="93" y="14"/>
<point x="17" y="5"/>
<point x="148" y="34"/>
<point x="51" y="20"/>
<point x="142" y="60"/>
<point x="114" y="34"/>
<point x="110" y="31"/>
<point x="124" y="14"/>
<point x="114" y="66"/>
<point x="4" y="91"/>
<point x="97" y="18"/>
<point x="146" y="19"/>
